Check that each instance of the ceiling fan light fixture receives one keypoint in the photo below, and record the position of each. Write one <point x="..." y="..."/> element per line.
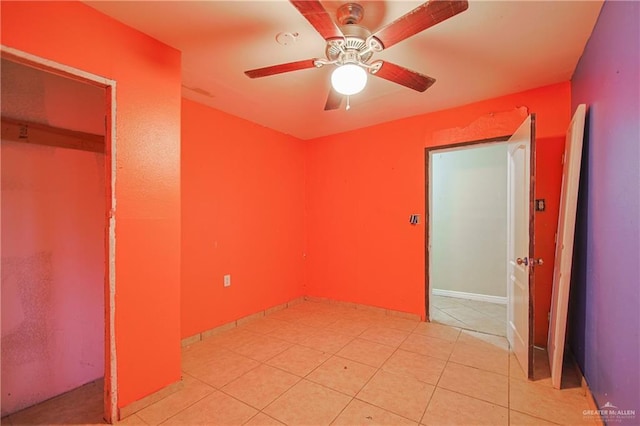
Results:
<point x="349" y="79"/>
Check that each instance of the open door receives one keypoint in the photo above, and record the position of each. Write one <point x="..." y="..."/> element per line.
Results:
<point x="564" y="244"/>
<point x="520" y="256"/>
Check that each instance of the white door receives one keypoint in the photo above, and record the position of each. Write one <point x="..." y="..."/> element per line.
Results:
<point x="564" y="243"/>
<point x="520" y="201"/>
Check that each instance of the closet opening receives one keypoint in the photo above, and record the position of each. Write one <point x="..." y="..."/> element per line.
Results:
<point x="57" y="257"/>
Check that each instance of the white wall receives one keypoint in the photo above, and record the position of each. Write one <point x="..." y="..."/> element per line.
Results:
<point x="469" y="220"/>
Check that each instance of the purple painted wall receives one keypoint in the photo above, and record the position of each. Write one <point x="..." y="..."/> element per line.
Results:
<point x="604" y="316"/>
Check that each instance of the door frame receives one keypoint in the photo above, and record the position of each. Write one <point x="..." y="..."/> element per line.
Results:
<point x="110" y="369"/>
<point x="427" y="228"/>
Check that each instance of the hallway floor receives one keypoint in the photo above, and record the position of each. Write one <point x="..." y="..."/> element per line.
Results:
<point x="474" y="315"/>
<point x="320" y="363"/>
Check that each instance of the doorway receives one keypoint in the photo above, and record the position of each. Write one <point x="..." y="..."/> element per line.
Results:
<point x="467" y="235"/>
<point x="58" y="250"/>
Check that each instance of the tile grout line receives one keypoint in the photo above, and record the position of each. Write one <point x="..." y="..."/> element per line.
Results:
<point x="440" y="376"/>
<point x="509" y="387"/>
<point x="260" y="363"/>
<point x="305" y="377"/>
<point x="185" y="408"/>
<point x="326" y="387"/>
<point x="469" y="326"/>
<point x="378" y="369"/>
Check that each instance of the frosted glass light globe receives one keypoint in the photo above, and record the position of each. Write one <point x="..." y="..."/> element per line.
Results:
<point x="349" y="79"/>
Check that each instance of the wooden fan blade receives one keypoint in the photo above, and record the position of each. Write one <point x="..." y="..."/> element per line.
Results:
<point x="419" y="19"/>
<point x="333" y="100"/>
<point x="318" y="17"/>
<point x="282" y="68"/>
<point x="400" y="75"/>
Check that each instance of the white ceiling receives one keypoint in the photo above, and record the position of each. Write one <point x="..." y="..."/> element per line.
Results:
<point x="493" y="48"/>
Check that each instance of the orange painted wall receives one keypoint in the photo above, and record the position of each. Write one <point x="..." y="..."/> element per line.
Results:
<point x="361" y="188"/>
<point x="147" y="72"/>
<point x="242" y="204"/>
<point x="363" y="185"/>
<point x="549" y="153"/>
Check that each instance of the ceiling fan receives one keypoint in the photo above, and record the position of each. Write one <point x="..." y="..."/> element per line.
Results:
<point x="350" y="46"/>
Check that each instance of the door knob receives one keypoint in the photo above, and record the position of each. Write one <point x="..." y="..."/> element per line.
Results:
<point x="521" y="261"/>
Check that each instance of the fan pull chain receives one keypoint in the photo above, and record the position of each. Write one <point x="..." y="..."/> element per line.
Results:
<point x="348" y="104"/>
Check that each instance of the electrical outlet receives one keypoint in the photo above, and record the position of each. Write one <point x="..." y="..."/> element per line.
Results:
<point x="227" y="280"/>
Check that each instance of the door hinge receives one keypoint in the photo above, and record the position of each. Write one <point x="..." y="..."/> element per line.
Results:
<point x="564" y="157"/>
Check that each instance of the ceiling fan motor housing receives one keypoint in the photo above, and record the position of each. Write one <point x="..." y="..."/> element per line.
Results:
<point x="355" y="40"/>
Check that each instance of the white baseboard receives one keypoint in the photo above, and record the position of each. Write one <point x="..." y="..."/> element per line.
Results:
<point x="470" y="296"/>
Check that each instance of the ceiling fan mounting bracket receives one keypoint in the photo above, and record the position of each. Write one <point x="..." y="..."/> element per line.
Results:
<point x="350" y="13"/>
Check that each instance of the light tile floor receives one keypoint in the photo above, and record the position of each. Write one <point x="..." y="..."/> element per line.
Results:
<point x="474" y="315"/>
<point x="321" y="363"/>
